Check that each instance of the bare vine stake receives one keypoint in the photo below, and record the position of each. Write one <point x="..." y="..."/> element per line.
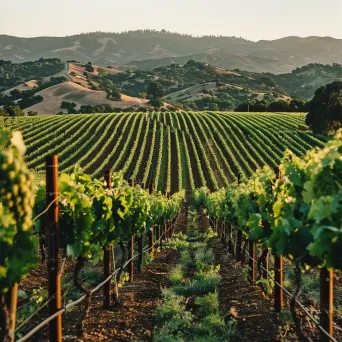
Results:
<point x="130" y="256"/>
<point x="326" y="302"/>
<point x="278" y="276"/>
<point x="251" y="262"/>
<point x="278" y="270"/>
<point x="11" y="301"/>
<point x="54" y="275"/>
<point x="265" y="271"/>
<point x="223" y="233"/>
<point x="158" y="231"/>
<point x="107" y="256"/>
<point x="131" y="250"/>
<point x="151" y="241"/>
<point x="238" y="245"/>
<point x="140" y="241"/>
<point x="230" y="250"/>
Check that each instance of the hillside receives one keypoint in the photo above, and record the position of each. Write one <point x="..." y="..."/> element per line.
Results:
<point x="168" y="150"/>
<point x="72" y="92"/>
<point x="13" y="74"/>
<point x="195" y="83"/>
<point x="116" y="49"/>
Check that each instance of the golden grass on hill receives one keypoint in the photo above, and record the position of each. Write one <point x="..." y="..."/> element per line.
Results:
<point x="72" y="92"/>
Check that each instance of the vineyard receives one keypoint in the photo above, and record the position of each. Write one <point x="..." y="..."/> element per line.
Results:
<point x="260" y="192"/>
<point x="168" y="151"/>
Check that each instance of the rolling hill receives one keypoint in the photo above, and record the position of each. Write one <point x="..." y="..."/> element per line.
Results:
<point x="73" y="92"/>
<point x="149" y="48"/>
<point x="194" y="85"/>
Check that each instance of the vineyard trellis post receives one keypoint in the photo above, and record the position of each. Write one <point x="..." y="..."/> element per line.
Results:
<point x="223" y="236"/>
<point x="130" y="257"/>
<point x="140" y="241"/>
<point x="107" y="256"/>
<point x="11" y="301"/>
<point x="151" y="241"/>
<point x="326" y="302"/>
<point x="158" y="233"/>
<point x="265" y="269"/>
<point x="278" y="291"/>
<point x="238" y="245"/>
<point x="54" y="271"/>
<point x="230" y="249"/>
<point x="252" y="257"/>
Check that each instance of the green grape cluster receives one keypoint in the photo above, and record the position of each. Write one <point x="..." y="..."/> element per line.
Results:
<point x="16" y="203"/>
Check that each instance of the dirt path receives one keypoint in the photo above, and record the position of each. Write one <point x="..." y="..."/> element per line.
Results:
<point x="134" y="321"/>
<point x="256" y="320"/>
<point x="254" y="313"/>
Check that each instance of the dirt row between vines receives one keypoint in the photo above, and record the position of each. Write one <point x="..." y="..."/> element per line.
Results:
<point x="253" y="313"/>
<point x="133" y="320"/>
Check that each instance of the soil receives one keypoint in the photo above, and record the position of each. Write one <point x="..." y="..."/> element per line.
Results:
<point x="134" y="319"/>
<point x="131" y="320"/>
<point x="245" y="302"/>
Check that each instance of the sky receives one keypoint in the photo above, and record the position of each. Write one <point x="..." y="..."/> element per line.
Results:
<point x="250" y="19"/>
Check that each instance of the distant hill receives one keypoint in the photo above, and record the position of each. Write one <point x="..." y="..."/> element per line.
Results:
<point x="195" y="80"/>
<point x="149" y="49"/>
<point x="72" y="92"/>
<point x="194" y="85"/>
<point x="12" y="74"/>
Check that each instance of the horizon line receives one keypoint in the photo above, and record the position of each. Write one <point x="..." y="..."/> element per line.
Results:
<point x="163" y="31"/>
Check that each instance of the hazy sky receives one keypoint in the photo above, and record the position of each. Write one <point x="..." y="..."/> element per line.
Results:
<point x="252" y="19"/>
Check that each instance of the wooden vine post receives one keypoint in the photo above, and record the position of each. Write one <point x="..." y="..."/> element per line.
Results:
<point x="130" y="257"/>
<point x="54" y="272"/>
<point x="326" y="302"/>
<point x="151" y="241"/>
<point x="158" y="235"/>
<point x="107" y="256"/>
<point x="140" y="241"/>
<point x="131" y="250"/>
<point x="229" y="232"/>
<point x="278" y="270"/>
<point x="238" y="250"/>
<point x="265" y="265"/>
<point x="278" y="291"/>
<point x="223" y="233"/>
<point x="251" y="260"/>
<point x="11" y="302"/>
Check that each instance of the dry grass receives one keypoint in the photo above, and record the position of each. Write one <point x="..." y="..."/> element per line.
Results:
<point x="70" y="91"/>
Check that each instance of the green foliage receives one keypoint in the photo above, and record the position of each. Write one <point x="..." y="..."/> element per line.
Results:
<point x="17" y="254"/>
<point x="297" y="215"/>
<point x="93" y="216"/>
<point x="325" y="109"/>
<point x="11" y="111"/>
<point x="89" y="67"/>
<point x="12" y="74"/>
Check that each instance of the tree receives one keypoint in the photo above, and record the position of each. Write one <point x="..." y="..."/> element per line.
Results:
<point x="12" y="110"/>
<point x="142" y="95"/>
<point x="15" y="93"/>
<point x="325" y="109"/>
<point x="155" y="90"/>
<point x="67" y="104"/>
<point x="89" y="67"/>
